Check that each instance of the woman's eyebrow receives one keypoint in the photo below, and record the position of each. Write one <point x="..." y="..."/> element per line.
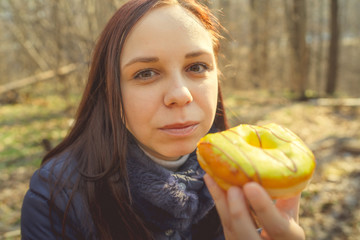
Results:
<point x="142" y="60"/>
<point x="156" y="59"/>
<point x="197" y="54"/>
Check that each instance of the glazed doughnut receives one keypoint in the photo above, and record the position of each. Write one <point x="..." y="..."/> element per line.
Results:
<point x="271" y="155"/>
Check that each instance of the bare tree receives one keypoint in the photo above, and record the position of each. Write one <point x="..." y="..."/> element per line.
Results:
<point x="296" y="27"/>
<point x="320" y="47"/>
<point x="333" y="49"/>
<point x="258" y="53"/>
<point x="48" y="35"/>
<point x="254" y="56"/>
<point x="265" y="44"/>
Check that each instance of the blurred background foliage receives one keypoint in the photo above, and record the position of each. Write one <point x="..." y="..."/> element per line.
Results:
<point x="295" y="62"/>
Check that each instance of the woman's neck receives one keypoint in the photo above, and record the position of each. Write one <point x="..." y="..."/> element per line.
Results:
<point x="170" y="165"/>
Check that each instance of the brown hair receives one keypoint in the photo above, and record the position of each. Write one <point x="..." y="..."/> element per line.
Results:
<point x="98" y="139"/>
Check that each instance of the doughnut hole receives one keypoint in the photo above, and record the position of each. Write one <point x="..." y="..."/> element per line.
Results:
<point x="262" y="139"/>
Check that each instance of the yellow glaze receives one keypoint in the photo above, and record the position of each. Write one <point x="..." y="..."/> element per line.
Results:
<point x="270" y="155"/>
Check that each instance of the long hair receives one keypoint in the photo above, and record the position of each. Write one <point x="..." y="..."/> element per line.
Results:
<point x="98" y="139"/>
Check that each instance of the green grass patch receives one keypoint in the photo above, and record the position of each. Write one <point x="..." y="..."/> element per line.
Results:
<point x="24" y="126"/>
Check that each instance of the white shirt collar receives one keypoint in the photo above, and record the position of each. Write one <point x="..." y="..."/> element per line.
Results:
<point x="170" y="165"/>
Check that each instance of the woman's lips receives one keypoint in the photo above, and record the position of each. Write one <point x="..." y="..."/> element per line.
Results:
<point x="180" y="129"/>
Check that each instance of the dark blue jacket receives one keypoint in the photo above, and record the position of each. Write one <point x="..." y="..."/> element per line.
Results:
<point x="177" y="204"/>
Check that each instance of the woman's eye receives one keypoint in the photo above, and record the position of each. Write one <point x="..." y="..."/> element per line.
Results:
<point x="145" y="74"/>
<point x="198" y="68"/>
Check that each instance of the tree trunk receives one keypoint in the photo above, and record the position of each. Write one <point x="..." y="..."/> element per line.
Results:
<point x="333" y="49"/>
<point x="296" y="24"/>
<point x="254" y="44"/>
<point x="264" y="53"/>
<point x="258" y="54"/>
<point x="319" y="54"/>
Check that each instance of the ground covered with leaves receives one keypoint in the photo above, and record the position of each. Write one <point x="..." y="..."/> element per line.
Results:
<point x="329" y="205"/>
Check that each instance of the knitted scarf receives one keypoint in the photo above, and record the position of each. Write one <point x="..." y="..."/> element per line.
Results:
<point x="166" y="199"/>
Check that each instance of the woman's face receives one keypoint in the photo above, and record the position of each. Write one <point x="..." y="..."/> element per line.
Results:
<point x="169" y="82"/>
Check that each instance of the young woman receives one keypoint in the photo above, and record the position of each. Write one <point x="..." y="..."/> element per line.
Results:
<point x="127" y="169"/>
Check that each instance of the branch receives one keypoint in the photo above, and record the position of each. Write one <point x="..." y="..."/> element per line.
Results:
<point x="47" y="75"/>
<point x="28" y="46"/>
<point x="337" y="102"/>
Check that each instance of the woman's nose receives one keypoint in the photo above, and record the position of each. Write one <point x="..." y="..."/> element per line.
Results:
<point x="178" y="94"/>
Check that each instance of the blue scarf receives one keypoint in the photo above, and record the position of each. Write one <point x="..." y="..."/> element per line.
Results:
<point x="166" y="199"/>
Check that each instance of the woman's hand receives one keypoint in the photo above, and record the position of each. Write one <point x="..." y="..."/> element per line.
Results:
<point x="279" y="221"/>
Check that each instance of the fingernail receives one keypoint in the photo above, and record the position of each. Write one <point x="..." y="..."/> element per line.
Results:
<point x="252" y="190"/>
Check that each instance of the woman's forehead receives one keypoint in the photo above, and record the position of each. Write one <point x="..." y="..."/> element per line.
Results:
<point x="164" y="27"/>
<point x="171" y="16"/>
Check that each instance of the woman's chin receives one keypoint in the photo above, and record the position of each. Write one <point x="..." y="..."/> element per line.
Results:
<point x="177" y="153"/>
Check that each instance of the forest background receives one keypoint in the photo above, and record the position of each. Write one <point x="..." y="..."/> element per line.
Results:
<point x="293" y="62"/>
